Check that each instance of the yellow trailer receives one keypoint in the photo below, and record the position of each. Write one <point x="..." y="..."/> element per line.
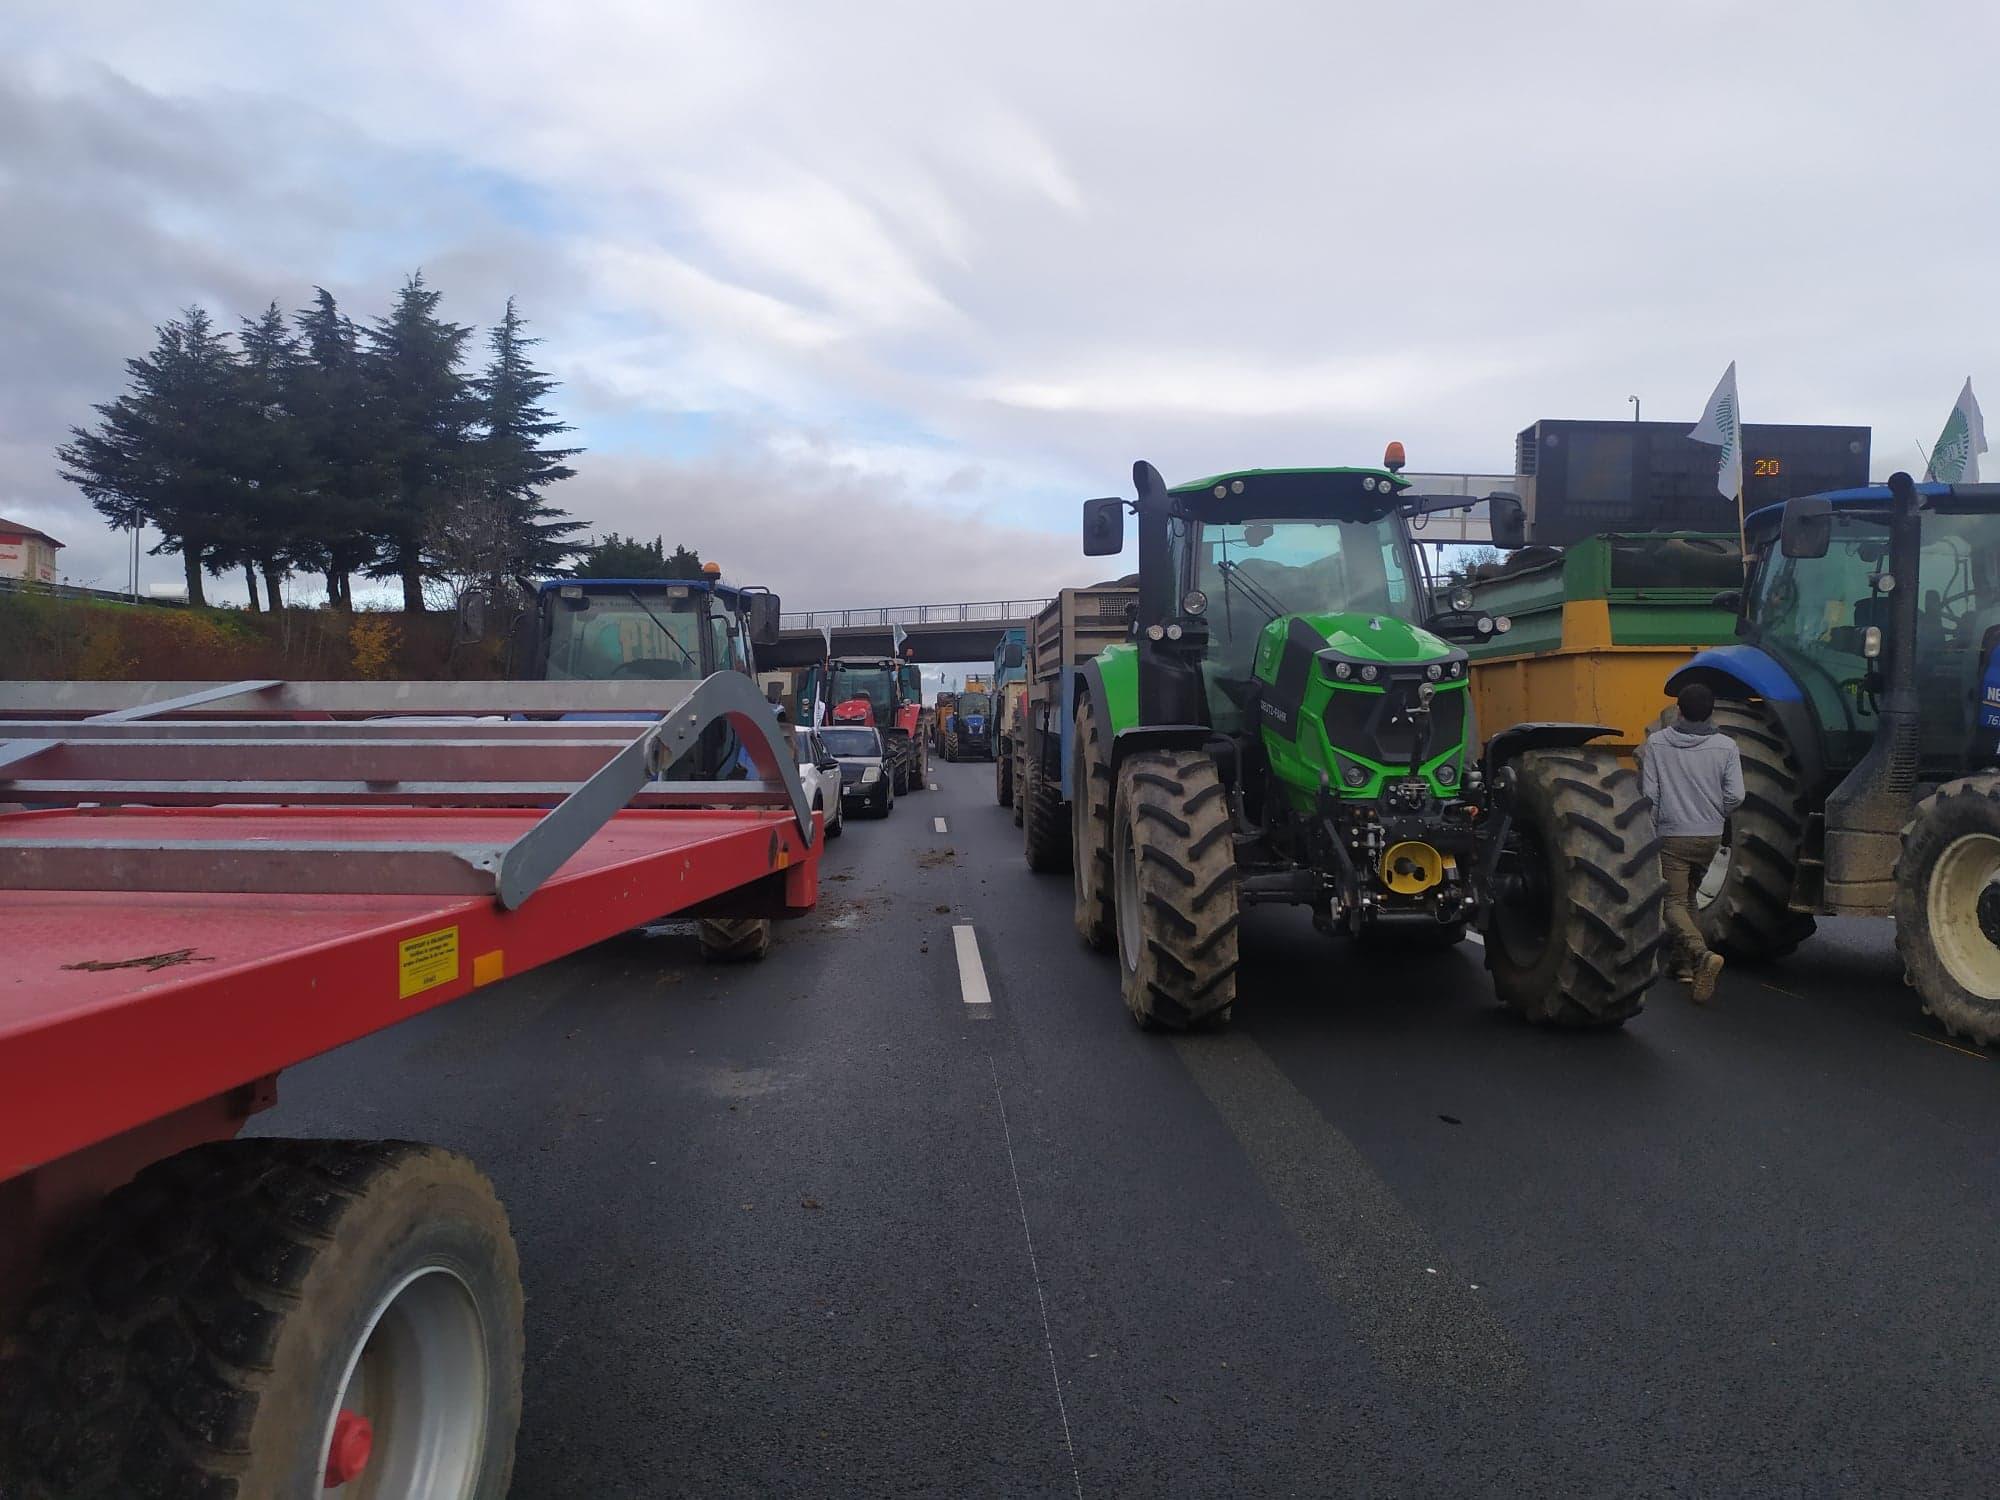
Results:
<point x="1599" y="627"/>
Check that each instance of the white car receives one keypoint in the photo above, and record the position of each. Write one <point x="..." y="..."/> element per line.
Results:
<point x="819" y="774"/>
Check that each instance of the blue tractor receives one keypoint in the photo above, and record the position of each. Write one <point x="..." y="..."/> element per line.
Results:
<point x="1865" y="697"/>
<point x="658" y="630"/>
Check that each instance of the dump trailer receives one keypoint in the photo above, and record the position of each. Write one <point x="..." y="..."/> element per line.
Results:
<point x="1069" y="631"/>
<point x="1597" y="628"/>
<point x="221" y="880"/>
<point x="1864" y="696"/>
<point x="1009" y="715"/>
<point x="1286" y="721"/>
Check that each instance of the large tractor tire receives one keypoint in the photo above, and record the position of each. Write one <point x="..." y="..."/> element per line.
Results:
<point x="1948" y="906"/>
<point x="1744" y="910"/>
<point x="1003" y="778"/>
<point x="264" y="1318"/>
<point x="1576" y="934"/>
<point x="1090" y="831"/>
<point x="1174" y="888"/>
<point x="1044" y="830"/>
<point x="951" y="746"/>
<point x="726" y="940"/>
<point x="1020" y="783"/>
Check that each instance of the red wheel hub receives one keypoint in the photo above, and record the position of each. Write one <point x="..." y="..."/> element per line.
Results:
<point x="347" y="1454"/>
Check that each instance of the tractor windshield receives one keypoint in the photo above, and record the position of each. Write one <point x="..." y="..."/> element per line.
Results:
<point x="876" y="684"/>
<point x="601" y="636"/>
<point x="1812" y="614"/>
<point x="974" y="703"/>
<point x="1253" y="572"/>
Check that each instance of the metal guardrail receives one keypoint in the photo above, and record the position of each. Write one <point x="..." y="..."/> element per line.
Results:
<point x="881" y="617"/>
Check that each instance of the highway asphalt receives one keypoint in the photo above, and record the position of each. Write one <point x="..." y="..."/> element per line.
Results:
<point x="818" y="1227"/>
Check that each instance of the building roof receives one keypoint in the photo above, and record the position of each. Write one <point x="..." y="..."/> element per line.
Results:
<point x="24" y="529"/>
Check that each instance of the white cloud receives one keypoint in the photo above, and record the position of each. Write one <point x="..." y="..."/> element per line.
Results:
<point x="977" y="259"/>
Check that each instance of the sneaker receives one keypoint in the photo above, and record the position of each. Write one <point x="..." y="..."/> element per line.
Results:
<point x="1706" y="972"/>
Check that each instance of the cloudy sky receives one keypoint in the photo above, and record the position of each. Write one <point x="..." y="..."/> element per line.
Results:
<point x="862" y="298"/>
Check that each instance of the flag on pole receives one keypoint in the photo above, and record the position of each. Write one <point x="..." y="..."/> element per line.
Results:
<point x="1721" y="424"/>
<point x="1955" y="458"/>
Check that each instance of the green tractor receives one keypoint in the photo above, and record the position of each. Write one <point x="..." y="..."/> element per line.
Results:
<point x="1290" y="722"/>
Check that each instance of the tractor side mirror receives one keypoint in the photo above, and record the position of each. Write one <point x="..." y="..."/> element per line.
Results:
<point x="1807" y="529"/>
<point x="764" y="624"/>
<point x="521" y="643"/>
<point x="1508" y="519"/>
<point x="1103" y="527"/>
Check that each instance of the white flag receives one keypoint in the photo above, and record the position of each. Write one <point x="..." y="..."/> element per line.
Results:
<point x="1955" y="459"/>
<point x="1722" y="425"/>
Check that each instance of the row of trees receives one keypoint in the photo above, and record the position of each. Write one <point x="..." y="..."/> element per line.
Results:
<point x="315" y="445"/>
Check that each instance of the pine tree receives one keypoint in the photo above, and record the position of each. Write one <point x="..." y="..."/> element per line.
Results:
<point x="513" y="465"/>
<point x="333" y="399"/>
<point x="163" y="454"/>
<point x="425" y="410"/>
<point x="615" y="556"/>
<point x="274" y="458"/>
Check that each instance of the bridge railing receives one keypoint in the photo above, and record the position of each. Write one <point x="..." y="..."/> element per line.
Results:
<point x="882" y="616"/>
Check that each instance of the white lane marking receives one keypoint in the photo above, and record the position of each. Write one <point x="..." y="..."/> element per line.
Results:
<point x="1476" y="937"/>
<point x="938" y="824"/>
<point x="1034" y="1269"/>
<point x="971" y="972"/>
<point x="933" y="786"/>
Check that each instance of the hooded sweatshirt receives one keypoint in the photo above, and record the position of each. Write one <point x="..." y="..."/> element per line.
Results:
<point x="1694" y="776"/>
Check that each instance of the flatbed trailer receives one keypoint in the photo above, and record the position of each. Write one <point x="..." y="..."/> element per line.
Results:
<point x="215" y="881"/>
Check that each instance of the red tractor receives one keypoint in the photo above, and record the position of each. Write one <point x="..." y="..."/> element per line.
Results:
<point x="888" y="694"/>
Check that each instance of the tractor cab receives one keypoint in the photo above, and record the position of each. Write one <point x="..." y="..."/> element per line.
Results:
<point x="1821" y="615"/>
<point x="606" y="629"/>
<point x="662" y="630"/>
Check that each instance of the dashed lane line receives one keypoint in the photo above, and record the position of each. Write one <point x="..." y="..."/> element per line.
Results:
<point x="971" y="973"/>
<point x="933" y="786"/>
<point x="937" y="825"/>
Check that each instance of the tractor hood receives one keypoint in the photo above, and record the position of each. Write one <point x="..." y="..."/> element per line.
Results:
<point x="1381" y="639"/>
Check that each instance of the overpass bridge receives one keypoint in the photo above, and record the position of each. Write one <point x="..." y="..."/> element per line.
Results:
<point x="932" y="632"/>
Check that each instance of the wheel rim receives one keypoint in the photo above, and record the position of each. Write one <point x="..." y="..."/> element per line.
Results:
<point x="1125" y="874"/>
<point x="1524" y="914"/>
<point x="1963" y="904"/>
<point x="418" y="1380"/>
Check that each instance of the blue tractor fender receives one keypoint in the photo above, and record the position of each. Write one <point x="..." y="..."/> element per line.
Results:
<point x="1743" y="673"/>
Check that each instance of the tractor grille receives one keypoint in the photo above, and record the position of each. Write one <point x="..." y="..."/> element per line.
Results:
<point x="1378" y="725"/>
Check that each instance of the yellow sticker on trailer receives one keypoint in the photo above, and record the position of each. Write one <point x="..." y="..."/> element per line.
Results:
<point x="426" y="961"/>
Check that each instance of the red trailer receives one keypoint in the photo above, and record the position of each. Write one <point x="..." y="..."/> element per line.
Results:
<point x="209" y="882"/>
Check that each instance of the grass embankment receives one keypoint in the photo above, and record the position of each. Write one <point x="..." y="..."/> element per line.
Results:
<point x="47" y="638"/>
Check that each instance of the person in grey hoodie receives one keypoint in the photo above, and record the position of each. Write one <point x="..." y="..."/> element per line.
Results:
<point x="1693" y="774"/>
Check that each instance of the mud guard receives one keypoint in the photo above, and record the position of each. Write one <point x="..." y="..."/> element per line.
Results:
<point x="1509" y="743"/>
<point x="1746" y="673"/>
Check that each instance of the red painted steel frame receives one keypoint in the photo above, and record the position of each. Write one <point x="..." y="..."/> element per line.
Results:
<point x="271" y="978"/>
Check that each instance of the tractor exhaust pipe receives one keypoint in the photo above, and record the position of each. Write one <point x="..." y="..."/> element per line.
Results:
<point x="1866" y="812"/>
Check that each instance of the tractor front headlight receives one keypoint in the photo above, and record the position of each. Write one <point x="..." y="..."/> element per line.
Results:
<point x="1369" y="674"/>
<point x="1194" y="602"/>
<point x="1354" y="776"/>
<point x="1457" y="669"/>
<point x="1434" y="671"/>
<point x="1342" y="670"/>
<point x="1447" y="774"/>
